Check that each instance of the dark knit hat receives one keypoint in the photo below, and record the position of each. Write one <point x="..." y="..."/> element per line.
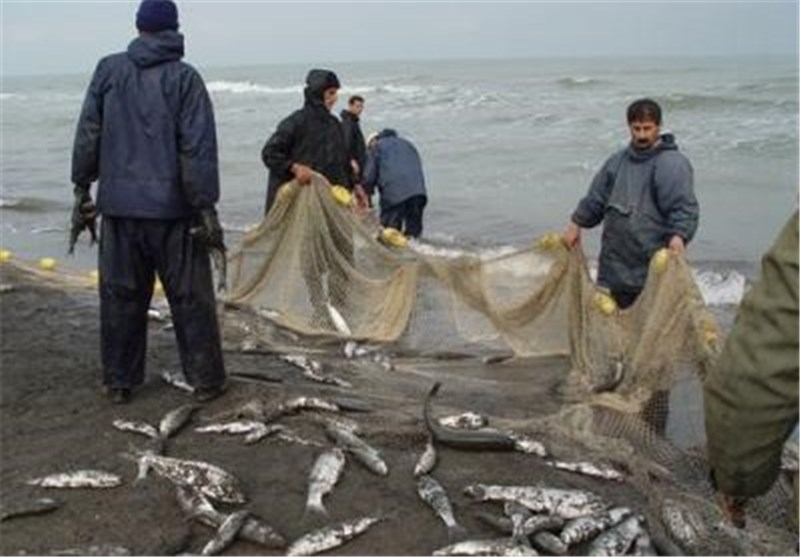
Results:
<point x="157" y="15"/>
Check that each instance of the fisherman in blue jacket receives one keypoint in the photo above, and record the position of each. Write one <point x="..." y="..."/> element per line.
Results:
<point x="394" y="167"/>
<point x="644" y="195"/>
<point x="147" y="135"/>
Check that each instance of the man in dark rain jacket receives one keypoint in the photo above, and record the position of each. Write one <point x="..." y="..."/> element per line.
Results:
<point x="751" y="394"/>
<point x="644" y="194"/>
<point x="309" y="139"/>
<point x="395" y="168"/>
<point x="146" y="133"/>
<point x="354" y="142"/>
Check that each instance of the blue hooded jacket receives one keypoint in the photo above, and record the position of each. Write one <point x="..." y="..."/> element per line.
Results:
<point x="147" y="133"/>
<point x="644" y="199"/>
<point x="395" y="168"/>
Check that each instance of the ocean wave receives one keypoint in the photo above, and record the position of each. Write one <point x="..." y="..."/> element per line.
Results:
<point x="248" y="87"/>
<point x="9" y="96"/>
<point x="29" y="204"/>
<point x="699" y="101"/>
<point x="579" y="81"/>
<point x="720" y="288"/>
<point x="763" y="146"/>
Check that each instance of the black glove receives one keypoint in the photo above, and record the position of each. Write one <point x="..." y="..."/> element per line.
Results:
<point x="208" y="230"/>
<point x="84" y="215"/>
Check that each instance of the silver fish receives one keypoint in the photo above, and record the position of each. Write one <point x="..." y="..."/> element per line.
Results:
<point x="78" y="479"/>
<point x="435" y="496"/>
<point x="528" y="445"/>
<point x="232" y="428"/>
<point x="142" y="428"/>
<point x="260" y="433"/>
<point x="466" y="420"/>
<point x="308" y="403"/>
<point x="197" y="506"/>
<point x="291" y="437"/>
<point x="589" y="469"/>
<point x="226" y="534"/>
<point x="643" y="545"/>
<point x="618" y="540"/>
<point x="584" y="528"/>
<point x="330" y="536"/>
<point x="175" y="419"/>
<point x="177" y="380"/>
<point x="549" y="542"/>
<point x="208" y="479"/>
<point x="327" y="379"/>
<point x="313" y="370"/>
<point x="427" y="461"/>
<point x="101" y="549"/>
<point x="684" y="525"/>
<point x="39" y="505"/>
<point x="363" y="452"/>
<point x="325" y="473"/>
<point x="567" y="503"/>
<point x="518" y="515"/>
<point x="502" y="546"/>
<point x="338" y="321"/>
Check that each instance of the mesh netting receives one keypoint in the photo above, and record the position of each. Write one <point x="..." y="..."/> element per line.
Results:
<point x="317" y="268"/>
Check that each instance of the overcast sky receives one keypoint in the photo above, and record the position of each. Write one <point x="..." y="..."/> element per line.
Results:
<point x="69" y="36"/>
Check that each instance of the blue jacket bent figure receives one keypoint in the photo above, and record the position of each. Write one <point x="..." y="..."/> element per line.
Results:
<point x="644" y="198"/>
<point x="143" y="171"/>
<point x="393" y="167"/>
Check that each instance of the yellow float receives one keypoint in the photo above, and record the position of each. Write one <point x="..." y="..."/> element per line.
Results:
<point x="394" y="237"/>
<point x="48" y="264"/>
<point x="5" y="255"/>
<point x="605" y="303"/>
<point x="342" y="195"/>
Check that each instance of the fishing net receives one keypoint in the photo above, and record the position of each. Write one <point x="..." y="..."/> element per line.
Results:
<point x="316" y="268"/>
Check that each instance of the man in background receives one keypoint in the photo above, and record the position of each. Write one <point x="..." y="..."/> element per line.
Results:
<point x="354" y="142"/>
<point x="147" y="135"/>
<point x="394" y="167"/>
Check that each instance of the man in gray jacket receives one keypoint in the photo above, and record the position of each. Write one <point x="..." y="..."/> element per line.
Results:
<point x="644" y="194"/>
<point x="146" y="134"/>
<point x="394" y="167"/>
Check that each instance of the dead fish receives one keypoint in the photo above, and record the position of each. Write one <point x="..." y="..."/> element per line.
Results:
<point x="313" y="370"/>
<point x="585" y="528"/>
<point x="312" y="403"/>
<point x="39" y="505"/>
<point x="532" y="524"/>
<point x="685" y="526"/>
<point x="102" y="549"/>
<point x="258" y="434"/>
<point x="226" y="534"/>
<point x="615" y="372"/>
<point x="643" y="545"/>
<point x="327" y="379"/>
<point x="330" y="536"/>
<point x="352" y="350"/>
<point x="567" y="503"/>
<point x="197" y="506"/>
<point x="208" y="479"/>
<point x="384" y="361"/>
<point x="142" y="428"/>
<point x="291" y="437"/>
<point x="175" y="419"/>
<point x="158" y="315"/>
<point x="177" y="380"/>
<point x="549" y="542"/>
<point x="618" y="540"/>
<point x="589" y="469"/>
<point x="465" y="420"/>
<point x="363" y="452"/>
<point x="232" y="428"/>
<point x="427" y="461"/>
<point x="527" y="445"/>
<point x="477" y="440"/>
<point x="434" y="495"/>
<point x="326" y="471"/>
<point x="518" y="514"/>
<point x="78" y="479"/>
<point x="502" y="546"/>
<point x="338" y="321"/>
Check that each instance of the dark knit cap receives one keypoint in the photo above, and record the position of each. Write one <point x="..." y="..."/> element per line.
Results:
<point x="157" y="15"/>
